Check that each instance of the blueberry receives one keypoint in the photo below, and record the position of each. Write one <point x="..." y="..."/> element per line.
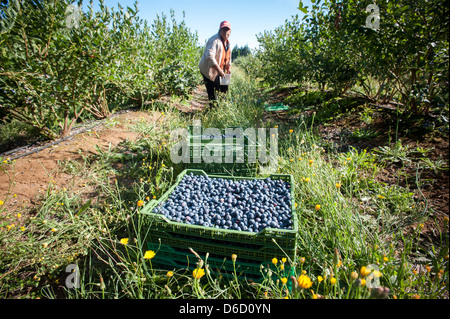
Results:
<point x="248" y="205"/>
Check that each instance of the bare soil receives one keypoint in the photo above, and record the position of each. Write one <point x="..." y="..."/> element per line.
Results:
<point x="32" y="174"/>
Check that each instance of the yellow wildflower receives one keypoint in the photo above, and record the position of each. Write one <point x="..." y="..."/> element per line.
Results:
<point x="124" y="241"/>
<point x="377" y="274"/>
<point x="274" y="261"/>
<point x="365" y="271"/>
<point x="304" y="282"/>
<point x="140" y="203"/>
<point x="149" y="254"/>
<point x="333" y="280"/>
<point x="169" y="274"/>
<point x="318" y="207"/>
<point x="284" y="280"/>
<point x="198" y="273"/>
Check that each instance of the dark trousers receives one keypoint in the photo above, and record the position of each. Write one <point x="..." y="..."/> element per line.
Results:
<point x="213" y="87"/>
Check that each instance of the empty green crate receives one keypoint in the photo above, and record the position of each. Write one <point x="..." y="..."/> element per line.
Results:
<point x="276" y="107"/>
<point x="224" y="154"/>
<point x="203" y="135"/>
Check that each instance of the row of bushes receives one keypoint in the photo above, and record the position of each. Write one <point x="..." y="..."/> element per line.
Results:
<point x="394" y="50"/>
<point x="60" y="65"/>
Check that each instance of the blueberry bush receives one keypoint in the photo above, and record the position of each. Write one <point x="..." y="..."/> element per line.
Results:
<point x="60" y="65"/>
<point x="335" y="47"/>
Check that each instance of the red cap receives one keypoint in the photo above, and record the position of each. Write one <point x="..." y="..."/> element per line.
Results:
<point x="225" y="24"/>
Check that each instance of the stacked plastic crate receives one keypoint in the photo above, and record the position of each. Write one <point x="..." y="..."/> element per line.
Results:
<point x="173" y="240"/>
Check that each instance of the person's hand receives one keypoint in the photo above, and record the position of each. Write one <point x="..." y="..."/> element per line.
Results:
<point x="219" y="71"/>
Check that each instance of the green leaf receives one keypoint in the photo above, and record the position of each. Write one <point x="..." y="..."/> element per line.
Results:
<point x="84" y="207"/>
<point x="304" y="10"/>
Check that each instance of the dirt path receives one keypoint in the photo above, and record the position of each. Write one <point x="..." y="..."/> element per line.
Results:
<point x="30" y="175"/>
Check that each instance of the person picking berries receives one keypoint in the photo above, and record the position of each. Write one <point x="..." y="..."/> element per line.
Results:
<point x="216" y="61"/>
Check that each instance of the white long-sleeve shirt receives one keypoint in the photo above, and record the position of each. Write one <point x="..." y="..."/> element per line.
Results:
<point x="212" y="56"/>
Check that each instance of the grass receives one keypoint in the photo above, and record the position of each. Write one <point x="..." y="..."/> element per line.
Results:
<point x="358" y="238"/>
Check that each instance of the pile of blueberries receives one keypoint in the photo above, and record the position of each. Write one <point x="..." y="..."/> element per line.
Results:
<point x="243" y="205"/>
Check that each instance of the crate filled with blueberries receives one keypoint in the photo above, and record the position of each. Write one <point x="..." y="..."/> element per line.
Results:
<point x="244" y="205"/>
<point x="224" y="215"/>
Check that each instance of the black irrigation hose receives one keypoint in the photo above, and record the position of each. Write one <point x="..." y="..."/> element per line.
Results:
<point x="56" y="142"/>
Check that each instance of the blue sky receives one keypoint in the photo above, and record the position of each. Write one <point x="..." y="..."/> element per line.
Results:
<point x="247" y="17"/>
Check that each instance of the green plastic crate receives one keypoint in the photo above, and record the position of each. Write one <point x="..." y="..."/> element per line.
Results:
<point x="225" y="146"/>
<point x="223" y="248"/>
<point x="203" y="136"/>
<point x="169" y="258"/>
<point x="221" y="243"/>
<point x="276" y="107"/>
